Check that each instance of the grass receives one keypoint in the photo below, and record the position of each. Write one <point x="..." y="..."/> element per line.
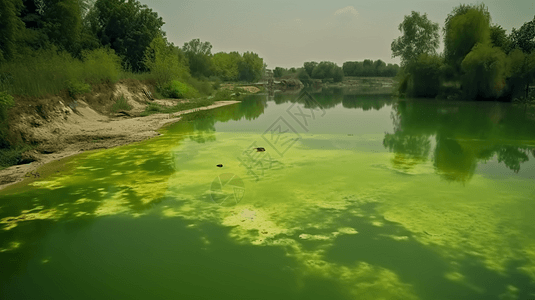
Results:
<point x="121" y="104"/>
<point x="51" y="71"/>
<point x="12" y="156"/>
<point x="154" y="108"/>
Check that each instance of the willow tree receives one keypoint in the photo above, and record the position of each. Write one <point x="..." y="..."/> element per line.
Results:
<point x="419" y="35"/>
<point x="466" y="26"/>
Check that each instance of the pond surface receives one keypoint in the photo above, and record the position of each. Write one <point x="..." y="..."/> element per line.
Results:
<point x="354" y="197"/>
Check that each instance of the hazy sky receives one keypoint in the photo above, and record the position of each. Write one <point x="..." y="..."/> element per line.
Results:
<point x="287" y="33"/>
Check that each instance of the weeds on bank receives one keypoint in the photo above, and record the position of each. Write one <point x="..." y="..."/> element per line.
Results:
<point x="121" y="104"/>
<point x="154" y="108"/>
<point x="12" y="156"/>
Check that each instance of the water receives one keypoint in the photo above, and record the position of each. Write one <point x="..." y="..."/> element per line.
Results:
<point x="359" y="197"/>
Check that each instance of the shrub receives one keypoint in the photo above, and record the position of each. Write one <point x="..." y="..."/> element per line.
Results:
<point x="425" y="76"/>
<point x="177" y="89"/>
<point x="6" y="101"/>
<point x="484" y="72"/>
<point x="77" y="88"/>
<point x="121" y="104"/>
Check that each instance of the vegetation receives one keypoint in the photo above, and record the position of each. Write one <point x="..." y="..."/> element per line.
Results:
<point x="67" y="46"/>
<point x="121" y="104"/>
<point x="480" y="61"/>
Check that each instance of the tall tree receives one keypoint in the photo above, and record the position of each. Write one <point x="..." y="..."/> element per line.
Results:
<point x="127" y="27"/>
<point x="419" y="35"/>
<point x="524" y="37"/>
<point x="10" y="28"/>
<point x="199" y="56"/>
<point x="466" y="26"/>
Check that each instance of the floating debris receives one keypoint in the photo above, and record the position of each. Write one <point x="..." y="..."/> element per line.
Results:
<point x="220" y="165"/>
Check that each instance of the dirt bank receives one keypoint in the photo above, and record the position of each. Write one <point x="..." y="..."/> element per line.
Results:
<point x="62" y="127"/>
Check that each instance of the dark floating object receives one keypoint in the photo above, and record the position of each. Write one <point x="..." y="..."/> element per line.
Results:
<point x="220" y="165"/>
<point x="260" y="149"/>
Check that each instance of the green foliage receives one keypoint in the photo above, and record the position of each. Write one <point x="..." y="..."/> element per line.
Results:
<point x="62" y="23"/>
<point x="250" y="67"/>
<point x="419" y="35"/>
<point x="100" y="65"/>
<point x="11" y="28"/>
<point x="203" y="86"/>
<point x="225" y="65"/>
<point x="309" y="67"/>
<point x="163" y="61"/>
<point x="375" y="69"/>
<point x="154" y="108"/>
<point x="50" y="71"/>
<point x="77" y="88"/>
<point x="327" y="70"/>
<point x="6" y="101"/>
<point x="485" y="69"/>
<point x="121" y="104"/>
<point x="303" y="76"/>
<point x="424" y="80"/>
<point x="127" y="27"/>
<point x="465" y="27"/>
<point x="222" y="95"/>
<point x="524" y="38"/>
<point x="177" y="89"/>
<point x="199" y="57"/>
<point x="499" y="38"/>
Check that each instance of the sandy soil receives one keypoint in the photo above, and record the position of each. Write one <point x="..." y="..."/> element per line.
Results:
<point x="62" y="131"/>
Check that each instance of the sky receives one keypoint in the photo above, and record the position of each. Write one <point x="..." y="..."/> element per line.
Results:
<point x="287" y="33"/>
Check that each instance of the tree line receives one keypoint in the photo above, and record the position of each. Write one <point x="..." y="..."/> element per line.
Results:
<point x="480" y="60"/>
<point x="328" y="71"/>
<point x="51" y="46"/>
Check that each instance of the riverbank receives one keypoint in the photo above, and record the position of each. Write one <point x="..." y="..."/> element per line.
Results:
<point x="62" y="130"/>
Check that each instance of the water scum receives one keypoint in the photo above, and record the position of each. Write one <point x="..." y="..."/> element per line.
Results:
<point x="295" y="206"/>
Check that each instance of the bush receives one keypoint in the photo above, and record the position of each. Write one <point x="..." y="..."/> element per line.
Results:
<point x="6" y="101"/>
<point x="177" y="89"/>
<point x="425" y="76"/>
<point x="484" y="72"/>
<point x="203" y="86"/>
<point x="121" y="104"/>
<point x="77" y="88"/>
<point x="221" y="95"/>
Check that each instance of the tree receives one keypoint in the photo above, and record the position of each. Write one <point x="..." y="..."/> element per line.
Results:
<point x="127" y="27"/>
<point x="63" y="24"/>
<point x="225" y="65"/>
<point x="10" y="28"/>
<point x="484" y="72"/>
<point x="466" y="26"/>
<point x="499" y="38"/>
<point x="309" y="67"/>
<point x="524" y="38"/>
<point x="424" y="78"/>
<point x="419" y="35"/>
<point x="250" y="67"/>
<point x="199" y="56"/>
<point x="163" y="60"/>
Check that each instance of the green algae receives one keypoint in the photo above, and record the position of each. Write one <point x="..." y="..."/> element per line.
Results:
<point x="384" y="220"/>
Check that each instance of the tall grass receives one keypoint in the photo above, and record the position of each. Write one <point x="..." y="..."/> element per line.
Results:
<point x="50" y="71"/>
<point x="121" y="104"/>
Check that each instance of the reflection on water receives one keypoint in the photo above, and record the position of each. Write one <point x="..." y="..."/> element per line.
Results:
<point x="464" y="135"/>
<point x="361" y="207"/>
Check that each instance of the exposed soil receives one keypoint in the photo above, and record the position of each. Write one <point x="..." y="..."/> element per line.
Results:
<point x="62" y="127"/>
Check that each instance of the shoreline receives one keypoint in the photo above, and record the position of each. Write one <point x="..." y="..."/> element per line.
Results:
<point x="124" y="131"/>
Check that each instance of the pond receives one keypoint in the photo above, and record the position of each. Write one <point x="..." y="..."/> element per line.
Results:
<point x="355" y="197"/>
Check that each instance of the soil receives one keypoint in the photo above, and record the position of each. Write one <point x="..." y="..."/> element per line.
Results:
<point x="60" y="126"/>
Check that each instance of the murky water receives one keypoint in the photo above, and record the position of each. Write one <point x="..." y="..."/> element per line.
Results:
<point x="354" y="197"/>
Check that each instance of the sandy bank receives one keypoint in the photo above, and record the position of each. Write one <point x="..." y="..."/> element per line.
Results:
<point x="64" y="132"/>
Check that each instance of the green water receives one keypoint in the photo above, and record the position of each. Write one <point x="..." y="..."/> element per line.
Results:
<point x="359" y="197"/>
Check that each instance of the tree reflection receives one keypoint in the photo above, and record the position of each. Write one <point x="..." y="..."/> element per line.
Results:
<point x="465" y="133"/>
